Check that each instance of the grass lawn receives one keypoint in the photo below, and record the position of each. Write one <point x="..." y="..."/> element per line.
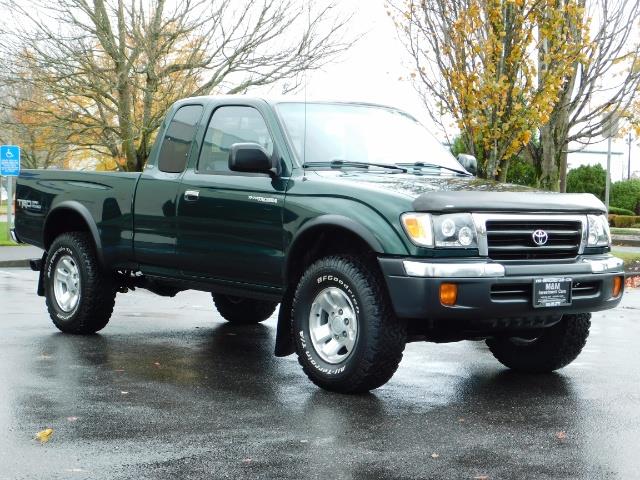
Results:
<point x="4" y="238"/>
<point x="631" y="261"/>
<point x="626" y="231"/>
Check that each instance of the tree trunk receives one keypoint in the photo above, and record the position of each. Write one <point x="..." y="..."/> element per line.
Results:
<point x="549" y="174"/>
<point x="563" y="169"/>
<point x="504" y="169"/>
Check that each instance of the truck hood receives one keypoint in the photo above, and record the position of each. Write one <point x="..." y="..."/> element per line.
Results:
<point x="469" y="194"/>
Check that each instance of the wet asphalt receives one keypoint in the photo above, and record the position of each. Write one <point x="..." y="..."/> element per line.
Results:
<point x="170" y="391"/>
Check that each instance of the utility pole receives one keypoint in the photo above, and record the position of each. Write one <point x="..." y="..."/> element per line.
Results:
<point x="629" y="157"/>
<point x="612" y="121"/>
<point x="608" y="184"/>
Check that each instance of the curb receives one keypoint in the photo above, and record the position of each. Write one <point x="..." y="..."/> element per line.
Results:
<point x="14" y="263"/>
<point x="625" y="240"/>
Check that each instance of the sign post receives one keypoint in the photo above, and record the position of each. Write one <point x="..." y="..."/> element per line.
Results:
<point x="611" y="127"/>
<point x="9" y="167"/>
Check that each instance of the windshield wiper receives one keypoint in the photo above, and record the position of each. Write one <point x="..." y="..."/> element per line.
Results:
<point x="435" y="165"/>
<point x="349" y="163"/>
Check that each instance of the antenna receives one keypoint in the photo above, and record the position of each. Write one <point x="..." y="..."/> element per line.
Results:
<point x="304" y="135"/>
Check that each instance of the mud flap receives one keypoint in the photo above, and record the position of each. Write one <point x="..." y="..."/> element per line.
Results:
<point x="284" y="341"/>
<point x="38" y="266"/>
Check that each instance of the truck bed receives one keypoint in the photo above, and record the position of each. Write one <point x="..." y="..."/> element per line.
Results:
<point x="106" y="197"/>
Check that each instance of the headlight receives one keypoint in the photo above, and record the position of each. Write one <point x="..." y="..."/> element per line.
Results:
<point x="448" y="231"/>
<point x="599" y="235"/>
<point x="456" y="230"/>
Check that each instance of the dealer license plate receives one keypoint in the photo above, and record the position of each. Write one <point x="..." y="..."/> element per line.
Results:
<point x="552" y="292"/>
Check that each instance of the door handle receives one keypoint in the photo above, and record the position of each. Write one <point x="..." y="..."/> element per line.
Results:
<point x="191" y="195"/>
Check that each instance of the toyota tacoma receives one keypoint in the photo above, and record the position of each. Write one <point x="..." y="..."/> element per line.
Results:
<point x="364" y="229"/>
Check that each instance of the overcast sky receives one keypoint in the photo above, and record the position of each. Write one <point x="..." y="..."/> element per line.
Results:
<point x="371" y="69"/>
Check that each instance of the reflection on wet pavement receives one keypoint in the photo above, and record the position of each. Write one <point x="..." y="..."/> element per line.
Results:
<point x="169" y="390"/>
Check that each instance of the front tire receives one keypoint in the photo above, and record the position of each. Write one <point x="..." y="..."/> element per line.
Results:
<point x="556" y="347"/>
<point x="80" y="295"/>
<point x="243" y="311"/>
<point x="347" y="337"/>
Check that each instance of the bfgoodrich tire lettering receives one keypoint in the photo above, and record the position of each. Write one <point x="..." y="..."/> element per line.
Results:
<point x="380" y="336"/>
<point x="556" y="347"/>
<point x="96" y="292"/>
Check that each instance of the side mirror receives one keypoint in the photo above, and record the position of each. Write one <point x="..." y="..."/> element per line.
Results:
<point x="249" y="157"/>
<point x="469" y="162"/>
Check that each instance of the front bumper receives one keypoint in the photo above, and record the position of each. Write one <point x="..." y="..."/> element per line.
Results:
<point x="493" y="290"/>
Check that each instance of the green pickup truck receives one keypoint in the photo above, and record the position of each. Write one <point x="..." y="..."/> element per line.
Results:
<point x="351" y="216"/>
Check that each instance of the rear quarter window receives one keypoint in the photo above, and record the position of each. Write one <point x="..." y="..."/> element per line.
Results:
<point x="178" y="139"/>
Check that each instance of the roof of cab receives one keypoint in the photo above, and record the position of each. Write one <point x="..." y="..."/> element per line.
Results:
<point x="275" y="100"/>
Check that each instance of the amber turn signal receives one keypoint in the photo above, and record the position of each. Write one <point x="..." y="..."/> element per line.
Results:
<point x="448" y="293"/>
<point x="617" y="286"/>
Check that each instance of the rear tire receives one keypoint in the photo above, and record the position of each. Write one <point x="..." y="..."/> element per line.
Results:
<point x="347" y="337"/>
<point x="243" y="311"/>
<point x="80" y="295"/>
<point x="556" y="347"/>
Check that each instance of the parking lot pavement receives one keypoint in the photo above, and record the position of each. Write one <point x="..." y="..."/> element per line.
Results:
<point x="18" y="256"/>
<point x="168" y="390"/>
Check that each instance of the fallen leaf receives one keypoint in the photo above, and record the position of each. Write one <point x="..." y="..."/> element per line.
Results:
<point x="72" y="419"/>
<point x="157" y="364"/>
<point x="561" y="435"/>
<point x="461" y="420"/>
<point x="124" y="393"/>
<point x="45" y="435"/>
<point x="246" y="460"/>
<point x="435" y="455"/>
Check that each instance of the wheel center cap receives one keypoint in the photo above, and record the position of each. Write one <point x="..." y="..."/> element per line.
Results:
<point x="337" y="325"/>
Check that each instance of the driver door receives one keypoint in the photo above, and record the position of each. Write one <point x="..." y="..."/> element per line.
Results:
<point x="230" y="223"/>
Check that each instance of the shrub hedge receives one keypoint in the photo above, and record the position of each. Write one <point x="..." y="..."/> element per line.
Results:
<point x="626" y="194"/>
<point x="624" y="221"/>
<point x="620" y="211"/>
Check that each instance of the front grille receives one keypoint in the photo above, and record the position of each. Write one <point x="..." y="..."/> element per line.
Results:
<point x="513" y="239"/>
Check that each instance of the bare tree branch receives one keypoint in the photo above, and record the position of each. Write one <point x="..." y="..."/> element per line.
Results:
<point x="109" y="69"/>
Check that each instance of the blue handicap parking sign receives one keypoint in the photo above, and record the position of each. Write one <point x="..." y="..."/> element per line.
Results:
<point x="9" y="160"/>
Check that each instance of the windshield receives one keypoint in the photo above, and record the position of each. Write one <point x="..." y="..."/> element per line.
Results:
<point x="361" y="133"/>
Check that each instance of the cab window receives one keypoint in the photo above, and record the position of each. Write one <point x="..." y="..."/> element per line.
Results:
<point x="178" y="139"/>
<point x="229" y="125"/>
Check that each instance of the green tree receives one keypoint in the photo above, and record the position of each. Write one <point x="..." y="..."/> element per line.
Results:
<point x="521" y="172"/>
<point x="626" y="194"/>
<point x="587" y="179"/>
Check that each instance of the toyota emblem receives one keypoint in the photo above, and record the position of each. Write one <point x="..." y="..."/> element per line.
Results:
<point x="540" y="237"/>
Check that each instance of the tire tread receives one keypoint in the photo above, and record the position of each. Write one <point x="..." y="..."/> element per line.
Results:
<point x="97" y="290"/>
<point x="247" y="312"/>
<point x="558" y="346"/>
<point x="388" y="335"/>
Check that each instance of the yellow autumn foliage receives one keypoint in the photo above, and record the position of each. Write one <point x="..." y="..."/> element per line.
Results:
<point x="503" y="66"/>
